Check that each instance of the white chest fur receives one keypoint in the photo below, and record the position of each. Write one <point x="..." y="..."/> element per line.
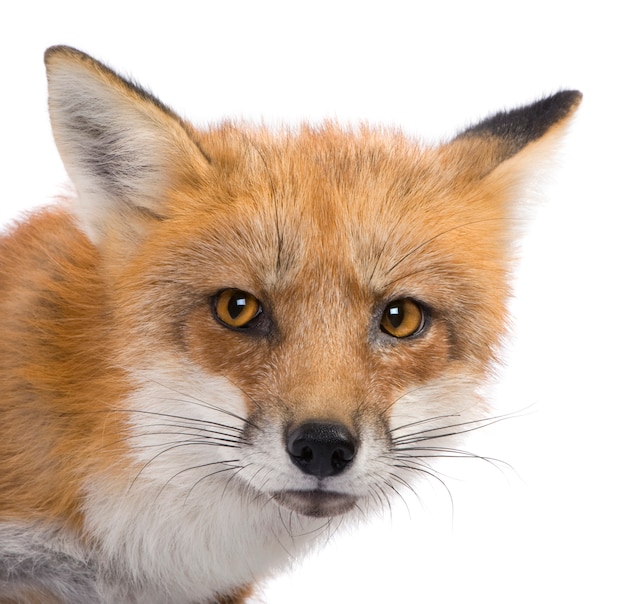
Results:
<point x="182" y="527"/>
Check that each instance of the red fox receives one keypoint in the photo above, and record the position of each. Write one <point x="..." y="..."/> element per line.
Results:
<point x="229" y="341"/>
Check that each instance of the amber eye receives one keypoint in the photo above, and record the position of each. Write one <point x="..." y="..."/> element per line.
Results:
<point x="236" y="308"/>
<point x="403" y="318"/>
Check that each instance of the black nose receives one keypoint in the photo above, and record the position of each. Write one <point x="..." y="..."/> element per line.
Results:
<point x="321" y="449"/>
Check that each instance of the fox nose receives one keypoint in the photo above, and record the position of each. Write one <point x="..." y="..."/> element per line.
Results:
<point x="321" y="449"/>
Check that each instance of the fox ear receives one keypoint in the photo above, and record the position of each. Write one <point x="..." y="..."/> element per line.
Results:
<point x="122" y="148"/>
<point x="520" y="133"/>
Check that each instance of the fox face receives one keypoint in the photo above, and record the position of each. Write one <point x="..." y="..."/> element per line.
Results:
<point x="317" y="332"/>
<point x="232" y="339"/>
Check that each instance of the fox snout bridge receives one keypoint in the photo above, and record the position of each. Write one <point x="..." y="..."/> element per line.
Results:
<point x="321" y="449"/>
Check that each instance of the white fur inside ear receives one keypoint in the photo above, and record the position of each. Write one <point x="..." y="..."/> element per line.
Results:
<point x="119" y="145"/>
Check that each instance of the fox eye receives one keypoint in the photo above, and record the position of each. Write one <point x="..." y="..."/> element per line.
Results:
<point x="403" y="318"/>
<point x="236" y="309"/>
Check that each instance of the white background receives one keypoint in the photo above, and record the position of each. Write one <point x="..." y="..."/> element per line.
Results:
<point x="552" y="529"/>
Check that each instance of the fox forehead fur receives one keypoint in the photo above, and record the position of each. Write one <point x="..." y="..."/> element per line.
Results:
<point x="231" y="339"/>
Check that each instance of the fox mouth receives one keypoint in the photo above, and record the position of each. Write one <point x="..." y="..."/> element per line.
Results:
<point x="317" y="503"/>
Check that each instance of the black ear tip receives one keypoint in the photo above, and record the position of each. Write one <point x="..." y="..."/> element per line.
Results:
<point x="531" y="121"/>
<point x="518" y="127"/>
<point x="560" y="105"/>
<point x="539" y="117"/>
<point x="573" y="97"/>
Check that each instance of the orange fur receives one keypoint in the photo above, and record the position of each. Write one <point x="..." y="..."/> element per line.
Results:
<point x="53" y="354"/>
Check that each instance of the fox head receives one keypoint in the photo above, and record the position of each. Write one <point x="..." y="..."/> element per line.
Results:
<point x="304" y="316"/>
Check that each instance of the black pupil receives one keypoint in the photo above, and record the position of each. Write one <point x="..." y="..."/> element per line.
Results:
<point x="236" y="305"/>
<point x="395" y="315"/>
